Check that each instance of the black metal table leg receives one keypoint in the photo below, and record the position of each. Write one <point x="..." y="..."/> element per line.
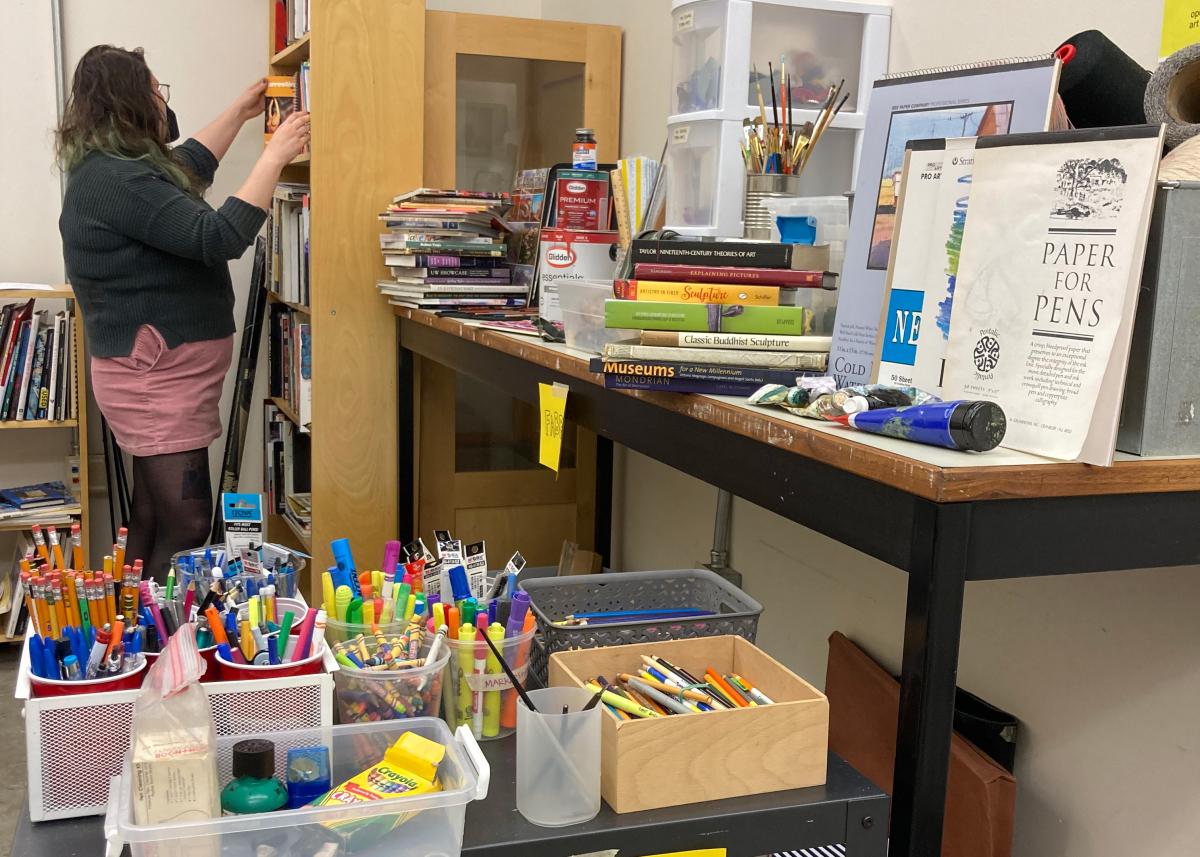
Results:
<point x="932" y="626"/>
<point x="602" y="535"/>
<point x="867" y="828"/>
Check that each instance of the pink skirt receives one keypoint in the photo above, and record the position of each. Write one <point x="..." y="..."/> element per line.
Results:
<point x="160" y="400"/>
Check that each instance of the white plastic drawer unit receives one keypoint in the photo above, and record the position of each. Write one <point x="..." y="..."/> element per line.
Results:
<point x="697" y="186"/>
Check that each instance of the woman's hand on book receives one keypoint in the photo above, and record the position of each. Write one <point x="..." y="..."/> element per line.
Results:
<point x="289" y="139"/>
<point x="251" y="102"/>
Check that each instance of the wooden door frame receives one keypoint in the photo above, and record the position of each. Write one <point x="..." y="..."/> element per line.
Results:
<point x="447" y="34"/>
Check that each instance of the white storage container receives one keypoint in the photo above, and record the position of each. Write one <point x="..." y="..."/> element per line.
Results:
<point x="704" y="197"/>
<point x="68" y="773"/>
<point x="583" y="314"/>
<point x="425" y="824"/>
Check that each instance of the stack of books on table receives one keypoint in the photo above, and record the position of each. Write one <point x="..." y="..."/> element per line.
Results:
<point x="447" y="252"/>
<point x="47" y="502"/>
<point x="721" y="318"/>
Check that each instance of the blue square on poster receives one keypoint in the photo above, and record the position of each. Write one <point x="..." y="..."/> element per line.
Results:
<point x="902" y="326"/>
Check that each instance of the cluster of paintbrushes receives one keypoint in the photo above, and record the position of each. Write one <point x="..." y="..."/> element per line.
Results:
<point x="781" y="146"/>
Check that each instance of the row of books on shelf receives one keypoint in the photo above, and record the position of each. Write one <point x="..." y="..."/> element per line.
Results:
<point x="287" y="462"/>
<point x="44" y="502"/>
<point x="290" y="238"/>
<point x="447" y="252"/>
<point x="292" y="21"/>
<point x="37" y="358"/>
<point x="720" y="319"/>
<point x="290" y="362"/>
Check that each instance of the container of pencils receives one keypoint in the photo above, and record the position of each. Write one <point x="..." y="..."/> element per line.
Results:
<point x="229" y="670"/>
<point x="477" y="691"/>
<point x="377" y="681"/>
<point x="47" y="687"/>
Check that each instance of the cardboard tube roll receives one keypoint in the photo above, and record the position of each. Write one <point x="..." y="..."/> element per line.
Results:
<point x="1173" y="95"/>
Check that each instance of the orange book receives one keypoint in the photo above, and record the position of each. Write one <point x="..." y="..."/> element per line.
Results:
<point x="696" y="293"/>
<point x="281" y="101"/>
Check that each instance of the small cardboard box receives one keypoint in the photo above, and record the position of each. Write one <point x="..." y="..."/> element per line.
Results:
<point x="689" y="758"/>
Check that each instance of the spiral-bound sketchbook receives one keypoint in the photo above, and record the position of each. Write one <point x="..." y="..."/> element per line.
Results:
<point x="987" y="99"/>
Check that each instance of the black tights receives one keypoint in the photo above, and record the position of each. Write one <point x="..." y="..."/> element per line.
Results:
<point x="172" y="508"/>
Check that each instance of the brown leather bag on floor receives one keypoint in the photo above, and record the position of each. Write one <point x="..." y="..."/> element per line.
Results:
<point x="864" y="701"/>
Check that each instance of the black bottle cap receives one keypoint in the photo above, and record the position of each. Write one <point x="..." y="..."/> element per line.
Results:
<point x="254" y="757"/>
<point x="977" y="426"/>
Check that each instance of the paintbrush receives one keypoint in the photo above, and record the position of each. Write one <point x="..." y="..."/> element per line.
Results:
<point x="774" y="104"/>
<point x="508" y="672"/>
<point x="762" y="108"/>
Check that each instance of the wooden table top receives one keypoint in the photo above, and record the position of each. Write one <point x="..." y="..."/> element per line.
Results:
<point x="943" y="476"/>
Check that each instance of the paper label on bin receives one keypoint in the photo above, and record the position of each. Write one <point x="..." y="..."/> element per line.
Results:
<point x="498" y="681"/>
<point x="679" y="135"/>
<point x="685" y="20"/>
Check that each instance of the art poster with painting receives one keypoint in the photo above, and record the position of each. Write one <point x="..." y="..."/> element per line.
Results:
<point x="970" y="101"/>
<point x="1048" y="281"/>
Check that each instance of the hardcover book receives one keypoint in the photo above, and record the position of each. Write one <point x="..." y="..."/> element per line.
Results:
<point x="728" y="318"/>
<point x="696" y="293"/>
<point x="744" y="341"/>
<point x="727" y="254"/>
<point x="1048" y="282"/>
<point x="727" y="357"/>
<point x="754" y="276"/>
<point x="985" y="100"/>
<point x="628" y="371"/>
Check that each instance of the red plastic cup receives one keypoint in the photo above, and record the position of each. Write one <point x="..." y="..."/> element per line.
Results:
<point x="212" y="671"/>
<point x="230" y="671"/>
<point x="45" y="687"/>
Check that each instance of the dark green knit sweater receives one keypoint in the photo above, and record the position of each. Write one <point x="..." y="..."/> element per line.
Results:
<point x="141" y="251"/>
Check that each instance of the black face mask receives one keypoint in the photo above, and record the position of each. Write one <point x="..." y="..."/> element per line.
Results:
<point x="172" y="126"/>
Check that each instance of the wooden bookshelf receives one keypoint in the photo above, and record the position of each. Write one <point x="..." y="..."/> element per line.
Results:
<point x="37" y="424"/>
<point x="292" y="55"/>
<point x="17" y="525"/>
<point x="276" y="299"/>
<point x="285" y="409"/>
<point x="366" y="146"/>
<point x="79" y="425"/>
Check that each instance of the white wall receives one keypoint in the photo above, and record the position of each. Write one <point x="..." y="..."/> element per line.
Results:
<point x="1101" y="669"/>
<point x="208" y="52"/>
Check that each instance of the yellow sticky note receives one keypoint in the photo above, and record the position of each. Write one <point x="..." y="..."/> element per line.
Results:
<point x="704" y="852"/>
<point x="1181" y="25"/>
<point x="552" y="399"/>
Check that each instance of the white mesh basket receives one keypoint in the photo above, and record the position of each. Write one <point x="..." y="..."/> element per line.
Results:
<point x="75" y="744"/>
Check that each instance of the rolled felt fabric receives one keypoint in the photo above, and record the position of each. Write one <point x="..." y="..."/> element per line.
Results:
<point x="1173" y="95"/>
<point x="1182" y="163"/>
<point x="1100" y="84"/>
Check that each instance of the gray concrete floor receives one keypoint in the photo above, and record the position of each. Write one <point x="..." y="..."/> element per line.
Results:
<point x="12" y="740"/>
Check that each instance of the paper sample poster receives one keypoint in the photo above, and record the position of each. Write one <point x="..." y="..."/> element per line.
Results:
<point x="922" y="276"/>
<point x="992" y="99"/>
<point x="1047" y="284"/>
<point x="1181" y="26"/>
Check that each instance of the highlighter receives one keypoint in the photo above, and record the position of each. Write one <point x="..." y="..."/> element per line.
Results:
<point x="345" y="561"/>
<point x="354" y="611"/>
<point x="439" y="614"/>
<point x="284" y="632"/>
<point x="368" y="611"/>
<point x="459" y="585"/>
<point x="305" y="637"/>
<point x="491" y="698"/>
<point x="391" y="556"/>
<point x="327" y="593"/>
<point x="342" y="602"/>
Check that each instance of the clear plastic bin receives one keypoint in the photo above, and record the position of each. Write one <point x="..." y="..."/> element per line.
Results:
<point x="699" y="202"/>
<point x="365" y="696"/>
<point x="818" y="48"/>
<point x="582" y="305"/>
<point x="699" y="31"/>
<point x="425" y="824"/>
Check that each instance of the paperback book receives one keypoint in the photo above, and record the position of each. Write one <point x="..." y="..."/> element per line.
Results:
<point x="729" y="357"/>
<point x="696" y="293"/>
<point x="744" y="341"/>
<point x="717" y="318"/>
<point x="754" y="276"/>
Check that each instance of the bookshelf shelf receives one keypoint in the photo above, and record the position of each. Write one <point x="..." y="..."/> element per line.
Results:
<point x="61" y="293"/>
<point x="276" y="299"/>
<point x="16" y="525"/>
<point x="37" y="424"/>
<point x="285" y="409"/>
<point x="301" y="160"/>
<point x="293" y="54"/>
<point x="302" y="537"/>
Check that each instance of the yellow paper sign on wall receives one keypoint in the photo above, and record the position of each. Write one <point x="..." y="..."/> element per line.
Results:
<point x="552" y="399"/>
<point x="1181" y="25"/>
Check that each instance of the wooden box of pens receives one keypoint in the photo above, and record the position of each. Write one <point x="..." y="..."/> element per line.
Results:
<point x="751" y="725"/>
